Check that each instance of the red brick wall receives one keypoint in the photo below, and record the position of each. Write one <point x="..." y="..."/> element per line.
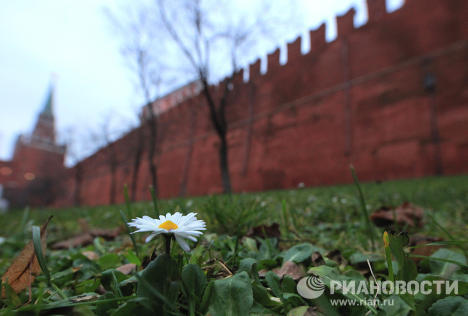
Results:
<point x="359" y="99"/>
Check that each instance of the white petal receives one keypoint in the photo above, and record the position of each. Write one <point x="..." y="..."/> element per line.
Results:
<point x="182" y="243"/>
<point x="185" y="235"/>
<point x="148" y="239"/>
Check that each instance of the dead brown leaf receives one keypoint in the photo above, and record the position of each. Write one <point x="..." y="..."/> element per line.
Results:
<point x="127" y="268"/>
<point x="336" y="256"/>
<point x="106" y="233"/>
<point x="84" y="298"/>
<point x="91" y="255"/>
<point x="24" y="269"/>
<point x="406" y="214"/>
<point x="262" y="273"/>
<point x="317" y="259"/>
<point x="263" y="231"/>
<point x="83" y="224"/>
<point x="419" y="240"/>
<point x="291" y="269"/>
<point x="77" y="241"/>
<point x="85" y="238"/>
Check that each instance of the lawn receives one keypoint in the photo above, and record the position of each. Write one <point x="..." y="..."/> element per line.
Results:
<point x="256" y="248"/>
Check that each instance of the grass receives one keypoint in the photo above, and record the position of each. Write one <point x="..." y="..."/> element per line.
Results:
<point x="326" y="218"/>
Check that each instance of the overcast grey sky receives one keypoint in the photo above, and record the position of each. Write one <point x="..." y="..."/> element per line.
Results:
<point x="73" y="40"/>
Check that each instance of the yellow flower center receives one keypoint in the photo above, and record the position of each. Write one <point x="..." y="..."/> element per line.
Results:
<point x="386" y="241"/>
<point x="168" y="225"/>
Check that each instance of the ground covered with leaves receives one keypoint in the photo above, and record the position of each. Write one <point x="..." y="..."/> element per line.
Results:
<point x="248" y="262"/>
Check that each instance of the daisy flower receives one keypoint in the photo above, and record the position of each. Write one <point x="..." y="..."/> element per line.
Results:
<point x="180" y="226"/>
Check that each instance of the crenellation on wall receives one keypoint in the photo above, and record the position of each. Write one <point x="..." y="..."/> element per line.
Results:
<point x="376" y="10"/>
<point x="317" y="38"/>
<point x="273" y="61"/>
<point x="254" y="70"/>
<point x="345" y="23"/>
<point x="238" y="79"/>
<point x="294" y="49"/>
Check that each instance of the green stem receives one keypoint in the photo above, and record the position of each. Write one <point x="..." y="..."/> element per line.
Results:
<point x="365" y="215"/>
<point x="168" y="243"/>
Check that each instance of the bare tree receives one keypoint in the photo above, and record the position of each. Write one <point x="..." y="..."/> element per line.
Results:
<point x="73" y="158"/>
<point x="140" y="50"/>
<point x="104" y="138"/>
<point x="210" y="34"/>
<point x="205" y="39"/>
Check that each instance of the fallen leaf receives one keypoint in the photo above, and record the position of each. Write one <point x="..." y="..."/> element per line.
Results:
<point x="91" y="255"/>
<point x="77" y="241"/>
<point x="419" y="240"/>
<point x="83" y="224"/>
<point x="106" y="233"/>
<point x="24" y="269"/>
<point x="406" y="214"/>
<point x="336" y="256"/>
<point x="84" y="297"/>
<point x="317" y="259"/>
<point x="127" y="268"/>
<point x="263" y="231"/>
<point x="86" y="238"/>
<point x="291" y="269"/>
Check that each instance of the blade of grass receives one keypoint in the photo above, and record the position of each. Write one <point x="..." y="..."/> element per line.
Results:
<point x="125" y="221"/>
<point x="155" y="201"/>
<point x="24" y="219"/>
<point x="127" y="201"/>
<point x="434" y="221"/>
<point x="388" y="256"/>
<point x="464" y="266"/>
<point x="36" y="235"/>
<point x="365" y="215"/>
<point x="460" y="243"/>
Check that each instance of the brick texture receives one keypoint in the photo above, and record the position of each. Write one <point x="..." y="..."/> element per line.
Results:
<point x="360" y="99"/>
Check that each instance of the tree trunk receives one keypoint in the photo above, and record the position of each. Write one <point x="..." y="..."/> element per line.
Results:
<point x="78" y="180"/>
<point x="224" y="164"/>
<point x="112" y="187"/>
<point x="153" y="128"/>
<point x="113" y="169"/>
<point x="136" y="163"/>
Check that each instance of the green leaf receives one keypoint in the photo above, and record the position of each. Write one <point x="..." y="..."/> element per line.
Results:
<point x="87" y="286"/>
<point x="445" y="269"/>
<point x="299" y="311"/>
<point x="288" y="285"/>
<point x="397" y="307"/>
<point x="450" y="306"/>
<point x="155" y="283"/>
<point x="232" y="296"/>
<point x="194" y="280"/>
<point x="407" y="269"/>
<point x="249" y="265"/>
<point x="262" y="297"/>
<point x="301" y="252"/>
<point x="273" y="282"/>
<point x="328" y="274"/>
<point x="206" y="298"/>
<point x="109" y="261"/>
<point x="358" y="257"/>
<point x="132" y="258"/>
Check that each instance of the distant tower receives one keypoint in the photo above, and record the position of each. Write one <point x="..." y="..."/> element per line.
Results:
<point x="37" y="164"/>
<point x="44" y="131"/>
